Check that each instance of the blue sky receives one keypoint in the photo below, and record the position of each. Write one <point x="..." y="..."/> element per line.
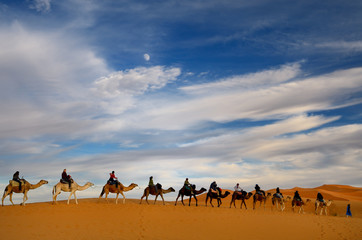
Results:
<point x="265" y="92"/>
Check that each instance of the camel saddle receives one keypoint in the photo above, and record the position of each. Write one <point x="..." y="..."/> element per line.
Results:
<point x="64" y="182"/>
<point x="16" y="184"/>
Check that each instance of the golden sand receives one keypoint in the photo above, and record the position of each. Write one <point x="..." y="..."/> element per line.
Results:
<point x="96" y="219"/>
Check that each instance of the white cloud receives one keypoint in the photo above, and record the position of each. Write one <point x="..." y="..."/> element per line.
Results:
<point x="342" y="45"/>
<point x="276" y="101"/>
<point x="135" y="81"/>
<point x="40" y="5"/>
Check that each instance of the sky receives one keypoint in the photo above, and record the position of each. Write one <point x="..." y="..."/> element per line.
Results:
<point x="233" y="91"/>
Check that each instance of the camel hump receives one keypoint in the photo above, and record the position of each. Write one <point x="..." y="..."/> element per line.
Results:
<point x="159" y="186"/>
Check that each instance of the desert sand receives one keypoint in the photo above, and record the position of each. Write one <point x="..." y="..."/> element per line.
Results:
<point x="97" y="219"/>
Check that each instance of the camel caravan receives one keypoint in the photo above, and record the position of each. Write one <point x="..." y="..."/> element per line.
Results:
<point x="67" y="184"/>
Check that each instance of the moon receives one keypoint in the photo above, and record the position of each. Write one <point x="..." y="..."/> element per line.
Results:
<point x="146" y="57"/>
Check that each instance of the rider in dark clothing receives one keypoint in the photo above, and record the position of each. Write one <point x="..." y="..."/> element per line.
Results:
<point x="279" y="193"/>
<point x="257" y="189"/>
<point x="297" y="196"/>
<point x="320" y="197"/>
<point x="66" y="177"/>
<point x="16" y="178"/>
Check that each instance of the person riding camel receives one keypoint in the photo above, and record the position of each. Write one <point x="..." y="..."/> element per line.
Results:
<point x="66" y="178"/>
<point x="16" y="178"/>
<point x="297" y="196"/>
<point x="238" y="189"/>
<point x="320" y="197"/>
<point x="257" y="189"/>
<point x="188" y="186"/>
<point x="151" y="185"/>
<point x="214" y="189"/>
<point x="278" y="193"/>
<point x="113" y="179"/>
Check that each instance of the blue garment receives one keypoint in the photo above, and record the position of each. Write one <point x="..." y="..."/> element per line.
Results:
<point x="349" y="213"/>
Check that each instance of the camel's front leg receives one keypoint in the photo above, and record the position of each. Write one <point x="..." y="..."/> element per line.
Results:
<point x="106" y="197"/>
<point x="124" y="198"/>
<point x="195" y="199"/>
<point x="182" y="200"/>
<point x="24" y="198"/>
<point x="117" y="197"/>
<point x="155" y="199"/>
<point x="71" y="193"/>
<point x="163" y="200"/>
<point x="75" y="197"/>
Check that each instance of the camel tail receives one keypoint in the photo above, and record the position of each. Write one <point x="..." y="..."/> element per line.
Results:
<point x="102" y="193"/>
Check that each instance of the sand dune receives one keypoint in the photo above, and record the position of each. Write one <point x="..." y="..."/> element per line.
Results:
<point x="96" y="219"/>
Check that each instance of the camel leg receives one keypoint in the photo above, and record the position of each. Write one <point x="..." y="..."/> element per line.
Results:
<point x="71" y="193"/>
<point x="211" y="202"/>
<point x="195" y="200"/>
<point x="147" y="199"/>
<point x="182" y="200"/>
<point x="11" y="198"/>
<point x="142" y="198"/>
<point x="177" y="198"/>
<point x="156" y="199"/>
<point x="75" y="197"/>
<point x="4" y="196"/>
<point x="207" y="198"/>
<point x="124" y="198"/>
<point x="24" y="198"/>
<point x="163" y="200"/>
<point x="244" y="204"/>
<point x="117" y="198"/>
<point x="106" y="197"/>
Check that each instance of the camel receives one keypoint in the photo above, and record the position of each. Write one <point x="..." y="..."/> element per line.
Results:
<point x="243" y="196"/>
<point x="300" y="204"/>
<point x="185" y="192"/>
<point x="13" y="187"/>
<point x="159" y="192"/>
<point x="213" y="195"/>
<point x="322" y="205"/>
<point x="65" y="188"/>
<point x="112" y="189"/>
<point x="279" y="201"/>
<point x="261" y="198"/>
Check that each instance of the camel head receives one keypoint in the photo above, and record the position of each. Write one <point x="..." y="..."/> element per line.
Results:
<point x="133" y="185"/>
<point x="89" y="184"/>
<point x="227" y="193"/>
<point x="248" y="195"/>
<point x="43" y="182"/>
<point x="203" y="189"/>
<point x="171" y="189"/>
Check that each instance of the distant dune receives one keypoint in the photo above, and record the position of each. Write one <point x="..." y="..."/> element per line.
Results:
<point x="97" y="219"/>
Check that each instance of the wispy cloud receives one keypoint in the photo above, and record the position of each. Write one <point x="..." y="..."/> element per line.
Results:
<point x="40" y="5"/>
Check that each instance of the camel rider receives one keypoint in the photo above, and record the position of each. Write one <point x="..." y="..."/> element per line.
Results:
<point x="16" y="178"/>
<point x="257" y="189"/>
<point x="278" y="193"/>
<point x="188" y="186"/>
<point x="113" y="179"/>
<point x="66" y="178"/>
<point x="297" y="196"/>
<point x="238" y="189"/>
<point x="213" y="188"/>
<point x="320" y="197"/>
<point x="152" y="185"/>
